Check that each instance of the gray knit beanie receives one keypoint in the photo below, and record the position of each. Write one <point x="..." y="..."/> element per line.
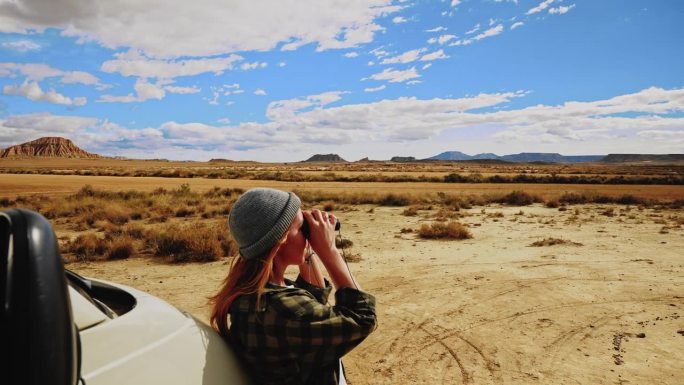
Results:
<point x="259" y="218"/>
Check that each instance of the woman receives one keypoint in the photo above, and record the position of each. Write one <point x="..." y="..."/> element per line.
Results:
<point x="286" y="331"/>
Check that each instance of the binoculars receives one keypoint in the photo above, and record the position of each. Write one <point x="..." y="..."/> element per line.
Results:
<point x="307" y="231"/>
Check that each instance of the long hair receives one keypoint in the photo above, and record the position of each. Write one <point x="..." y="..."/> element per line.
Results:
<point x="245" y="277"/>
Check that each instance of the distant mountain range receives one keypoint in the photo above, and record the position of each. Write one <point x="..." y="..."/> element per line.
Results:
<point x="56" y="147"/>
<point x="522" y="157"/>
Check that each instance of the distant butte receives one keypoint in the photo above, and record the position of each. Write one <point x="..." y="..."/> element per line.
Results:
<point x="47" y="147"/>
<point x="331" y="158"/>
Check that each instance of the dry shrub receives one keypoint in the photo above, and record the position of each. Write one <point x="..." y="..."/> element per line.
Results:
<point x="406" y="230"/>
<point x="184" y="212"/>
<point x="134" y="230"/>
<point x="609" y="212"/>
<point x="343" y="243"/>
<point x="121" y="248"/>
<point x="87" y="247"/>
<point x="439" y="230"/>
<point x="196" y="244"/>
<point x="352" y="257"/>
<point x="497" y="214"/>
<point x="410" y="211"/>
<point x="518" y="198"/>
<point x="395" y="200"/>
<point x="553" y="242"/>
<point x="329" y="206"/>
<point x="553" y="204"/>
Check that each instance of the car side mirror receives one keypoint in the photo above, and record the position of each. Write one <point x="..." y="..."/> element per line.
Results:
<point x="39" y="338"/>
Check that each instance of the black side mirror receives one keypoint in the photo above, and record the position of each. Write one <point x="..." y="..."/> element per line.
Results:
<point x="39" y="337"/>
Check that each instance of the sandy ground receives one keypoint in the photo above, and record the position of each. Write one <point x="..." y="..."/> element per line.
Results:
<point x="492" y="309"/>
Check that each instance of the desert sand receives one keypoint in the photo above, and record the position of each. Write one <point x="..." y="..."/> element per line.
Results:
<point x="492" y="309"/>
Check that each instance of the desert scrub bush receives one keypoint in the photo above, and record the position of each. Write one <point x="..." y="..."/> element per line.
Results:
<point x="405" y="230"/>
<point x="440" y="230"/>
<point x="518" y="198"/>
<point x="609" y="212"/>
<point x="135" y="230"/>
<point x="553" y="204"/>
<point x="87" y="247"/>
<point x="343" y="243"/>
<point x="197" y="244"/>
<point x="184" y="212"/>
<point x="410" y="211"/>
<point x="352" y="257"/>
<point x="120" y="248"/>
<point x="553" y="242"/>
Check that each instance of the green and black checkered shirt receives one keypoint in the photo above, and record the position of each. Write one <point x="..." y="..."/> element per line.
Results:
<point x="296" y="337"/>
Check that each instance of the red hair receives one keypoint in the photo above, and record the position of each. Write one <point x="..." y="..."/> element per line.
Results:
<point x="245" y="277"/>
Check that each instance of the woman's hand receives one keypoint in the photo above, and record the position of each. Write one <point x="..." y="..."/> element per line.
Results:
<point x="322" y="233"/>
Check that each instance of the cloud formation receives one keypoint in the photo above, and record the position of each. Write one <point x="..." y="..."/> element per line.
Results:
<point x="654" y="115"/>
<point x="259" y="27"/>
<point x="32" y="91"/>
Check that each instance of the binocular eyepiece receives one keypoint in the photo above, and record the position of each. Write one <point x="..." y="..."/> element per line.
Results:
<point x="307" y="231"/>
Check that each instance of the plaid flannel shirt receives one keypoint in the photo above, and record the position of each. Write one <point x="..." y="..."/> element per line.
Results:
<point x="295" y="337"/>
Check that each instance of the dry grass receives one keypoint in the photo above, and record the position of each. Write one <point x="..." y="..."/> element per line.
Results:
<point x="440" y="230"/>
<point x="191" y="244"/>
<point x="343" y="243"/>
<point x="121" y="248"/>
<point x="553" y="242"/>
<point x="410" y="211"/>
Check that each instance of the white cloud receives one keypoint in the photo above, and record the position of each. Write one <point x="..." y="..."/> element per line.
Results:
<point x="144" y="91"/>
<point x="654" y="123"/>
<point x="406" y="57"/>
<point x="455" y="3"/>
<point x="282" y="64"/>
<point x="21" y="45"/>
<point x="436" y="29"/>
<point x="22" y="128"/>
<point x="133" y="63"/>
<point x="426" y="66"/>
<point x="351" y="54"/>
<point x="182" y="90"/>
<point x="32" y="91"/>
<point x="202" y="27"/>
<point x="434" y="56"/>
<point x="80" y="77"/>
<point x="259" y="92"/>
<point x="490" y="32"/>
<point x="432" y="40"/>
<point x="399" y="20"/>
<point x="396" y="76"/>
<point x="542" y="6"/>
<point x="32" y="71"/>
<point x="283" y="109"/>
<point x="251" y="66"/>
<point x="474" y="29"/>
<point x="561" y="10"/>
<point x="374" y="89"/>
<point x="38" y="71"/>
<point x="445" y="39"/>
<point x="379" y="52"/>
<point x="517" y="24"/>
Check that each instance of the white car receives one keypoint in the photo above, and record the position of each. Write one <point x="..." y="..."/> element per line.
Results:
<point x="61" y="328"/>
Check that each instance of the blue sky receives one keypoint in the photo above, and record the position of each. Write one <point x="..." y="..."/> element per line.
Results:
<point x="283" y="80"/>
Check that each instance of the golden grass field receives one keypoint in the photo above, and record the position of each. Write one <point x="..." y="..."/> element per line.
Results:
<point x="541" y="293"/>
